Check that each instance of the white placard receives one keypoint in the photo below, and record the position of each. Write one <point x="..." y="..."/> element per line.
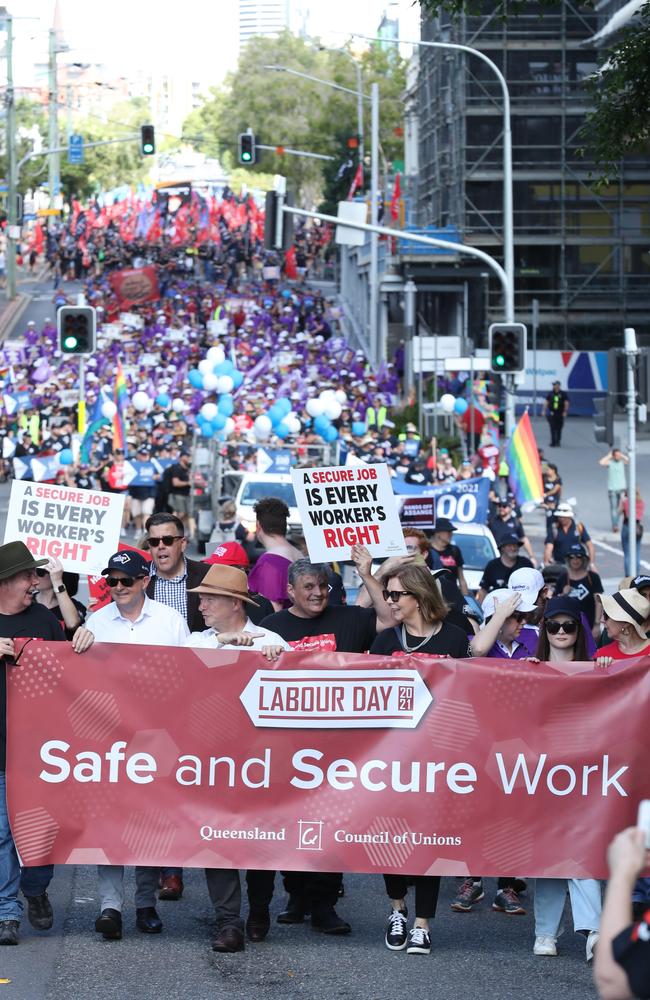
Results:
<point x="79" y="527"/>
<point x="217" y="327"/>
<point x="351" y="211"/>
<point x="344" y="506"/>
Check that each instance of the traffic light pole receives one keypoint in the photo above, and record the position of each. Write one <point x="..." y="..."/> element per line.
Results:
<point x="631" y="353"/>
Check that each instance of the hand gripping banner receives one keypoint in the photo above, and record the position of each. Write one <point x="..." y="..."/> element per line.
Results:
<point x="323" y="761"/>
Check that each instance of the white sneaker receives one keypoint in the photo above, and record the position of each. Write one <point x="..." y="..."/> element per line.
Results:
<point x="545" y="946"/>
<point x="592" y="941"/>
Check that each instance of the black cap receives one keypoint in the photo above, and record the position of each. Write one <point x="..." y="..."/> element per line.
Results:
<point x="133" y="564"/>
<point x="443" y="524"/>
<point x="641" y="582"/>
<point x="562" y="606"/>
<point x="509" y="539"/>
<point x="504" y="502"/>
<point x="577" y="549"/>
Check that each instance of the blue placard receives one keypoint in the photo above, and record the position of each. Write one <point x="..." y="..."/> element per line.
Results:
<point x="146" y="473"/>
<point x="274" y="460"/>
<point x="464" y="501"/>
<point x="76" y="149"/>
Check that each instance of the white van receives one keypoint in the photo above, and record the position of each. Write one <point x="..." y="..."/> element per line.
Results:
<point x="255" y="485"/>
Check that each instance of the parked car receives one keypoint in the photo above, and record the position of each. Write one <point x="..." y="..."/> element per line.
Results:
<point x="255" y="485"/>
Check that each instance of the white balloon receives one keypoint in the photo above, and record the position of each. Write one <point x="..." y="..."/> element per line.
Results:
<point x="209" y="411"/>
<point x="263" y="423"/>
<point x="210" y="382"/>
<point x="205" y="366"/>
<point x="315" y="408"/>
<point x="292" y="423"/>
<point x="225" y="383"/>
<point x="447" y="402"/>
<point x="178" y="405"/>
<point x="139" y="401"/>
<point x="326" y="394"/>
<point x="333" y="409"/>
<point x="109" y="409"/>
<point x="341" y="397"/>
<point x="230" y="426"/>
<point x="215" y="355"/>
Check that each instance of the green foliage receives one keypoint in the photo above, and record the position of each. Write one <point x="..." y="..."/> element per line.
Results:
<point x="477" y="7"/>
<point x="285" y="110"/>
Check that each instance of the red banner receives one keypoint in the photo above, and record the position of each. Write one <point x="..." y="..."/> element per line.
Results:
<point x="135" y="285"/>
<point x="325" y="761"/>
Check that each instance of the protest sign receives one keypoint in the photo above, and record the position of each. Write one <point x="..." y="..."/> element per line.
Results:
<point x="98" y="589"/>
<point x="135" y="285"/>
<point x="36" y="468"/>
<point x="324" y="761"/>
<point x="342" y="506"/>
<point x="274" y="460"/>
<point x="465" y="502"/>
<point x="79" y="527"/>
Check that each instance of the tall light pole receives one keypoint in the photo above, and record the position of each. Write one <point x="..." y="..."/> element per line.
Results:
<point x="373" y="277"/>
<point x="11" y="161"/>
<point x="53" y="133"/>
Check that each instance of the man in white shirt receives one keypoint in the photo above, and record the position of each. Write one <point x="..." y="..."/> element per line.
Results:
<point x="131" y="617"/>
<point x="223" y="595"/>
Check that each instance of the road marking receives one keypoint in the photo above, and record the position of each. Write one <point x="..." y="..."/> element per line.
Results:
<point x="619" y="552"/>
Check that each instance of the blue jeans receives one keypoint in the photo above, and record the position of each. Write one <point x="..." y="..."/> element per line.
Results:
<point x="33" y="882"/>
<point x="550" y="897"/>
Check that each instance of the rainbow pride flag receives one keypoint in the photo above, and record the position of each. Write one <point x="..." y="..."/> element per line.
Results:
<point x="120" y="398"/>
<point x="524" y="464"/>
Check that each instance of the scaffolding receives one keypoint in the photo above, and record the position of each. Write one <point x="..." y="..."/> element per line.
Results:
<point x="581" y="251"/>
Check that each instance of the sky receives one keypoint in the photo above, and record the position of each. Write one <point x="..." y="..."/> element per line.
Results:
<point x="197" y="39"/>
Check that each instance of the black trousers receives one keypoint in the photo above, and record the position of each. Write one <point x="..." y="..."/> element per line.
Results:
<point x="427" y="888"/>
<point x="314" y="888"/>
<point x="555" y="423"/>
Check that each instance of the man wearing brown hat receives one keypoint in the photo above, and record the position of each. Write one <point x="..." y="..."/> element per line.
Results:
<point x="20" y="619"/>
<point x="224" y="596"/>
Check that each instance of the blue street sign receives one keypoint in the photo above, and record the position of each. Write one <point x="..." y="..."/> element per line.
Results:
<point x="76" y="149"/>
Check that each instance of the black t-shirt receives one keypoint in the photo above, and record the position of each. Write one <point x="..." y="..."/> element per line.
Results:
<point x="450" y="641"/>
<point x="179" y="471"/>
<point x="501" y="528"/>
<point x="265" y="609"/>
<point x="450" y="558"/>
<point x="338" y="629"/>
<point x="496" y="575"/>
<point x="632" y="952"/>
<point x="35" y="622"/>
<point x="582" y="590"/>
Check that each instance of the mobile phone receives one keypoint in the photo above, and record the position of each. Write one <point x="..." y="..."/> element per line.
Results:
<point x="643" y="820"/>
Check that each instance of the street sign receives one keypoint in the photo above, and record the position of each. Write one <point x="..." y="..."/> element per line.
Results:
<point x="75" y="148"/>
<point x="48" y="211"/>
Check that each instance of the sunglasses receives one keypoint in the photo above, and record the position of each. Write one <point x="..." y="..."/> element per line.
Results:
<point x="520" y="616"/>
<point x="569" y="628"/>
<point x="395" y="595"/>
<point x="127" y="582"/>
<point x="167" y="540"/>
<point x="41" y="572"/>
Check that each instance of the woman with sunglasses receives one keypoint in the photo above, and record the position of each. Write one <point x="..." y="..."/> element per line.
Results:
<point x="53" y="593"/>
<point x="419" y="613"/>
<point x="563" y="637"/>
<point x="505" y="614"/>
<point x="626" y="615"/>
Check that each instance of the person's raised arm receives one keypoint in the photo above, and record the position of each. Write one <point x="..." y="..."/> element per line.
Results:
<point x="483" y="642"/>
<point x="374" y="584"/>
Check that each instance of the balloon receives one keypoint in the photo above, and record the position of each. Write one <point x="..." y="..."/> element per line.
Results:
<point x="275" y="414"/>
<point x="140" y="401"/>
<point x="109" y="409"/>
<point x="286" y="294"/>
<point x="293" y="424"/>
<point x="321" y="424"/>
<point x="226" y="405"/>
<point x="195" y="378"/>
<point x="330" y="434"/>
<point x="66" y="457"/>
<point x="237" y="378"/>
<point x="218" y="422"/>
<point x="333" y="409"/>
<point x="326" y="395"/>
<point x="447" y="402"/>
<point x="209" y="411"/>
<point x="210" y="382"/>
<point x="230" y="426"/>
<point x="314" y="407"/>
<point x="206" y="429"/>
<point x="178" y="405"/>
<point x="162" y="399"/>
<point x="284" y="405"/>
<point x="341" y="397"/>
<point x="205" y="366"/>
<point x="282" y="431"/>
<point x="358" y="428"/>
<point x="225" y="368"/>
<point x="460" y="406"/>
<point x="215" y="355"/>
<point x="262" y="426"/>
<point x="225" y="383"/>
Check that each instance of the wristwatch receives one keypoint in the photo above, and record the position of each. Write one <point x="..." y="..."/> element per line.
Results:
<point x="60" y="589"/>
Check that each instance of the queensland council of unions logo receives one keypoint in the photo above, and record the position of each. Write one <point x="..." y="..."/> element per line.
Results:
<point x="333" y="699"/>
<point x="310" y="835"/>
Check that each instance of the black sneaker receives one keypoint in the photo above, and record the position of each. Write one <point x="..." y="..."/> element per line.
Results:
<point x="327" y="920"/>
<point x="9" y="931"/>
<point x="395" y="937"/>
<point x="39" y="912"/>
<point x="468" y="893"/>
<point x="419" y="942"/>
<point x="507" y="901"/>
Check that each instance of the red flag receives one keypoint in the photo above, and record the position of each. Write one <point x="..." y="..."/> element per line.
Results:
<point x="394" y="202"/>
<point x="290" y="269"/>
<point x="357" y="182"/>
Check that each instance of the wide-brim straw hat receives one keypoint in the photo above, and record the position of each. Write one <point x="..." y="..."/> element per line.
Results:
<point x="628" y="606"/>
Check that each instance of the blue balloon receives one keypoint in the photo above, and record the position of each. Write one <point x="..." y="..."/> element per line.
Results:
<point x="225" y="368"/>
<point x="226" y="405"/>
<point x="286" y="293"/>
<point x="321" y="424"/>
<point x="219" y="422"/>
<point x="284" y="404"/>
<point x="281" y="431"/>
<point x="237" y="378"/>
<point x="275" y="414"/>
<point x="206" y="429"/>
<point x="162" y="399"/>
<point x="195" y="378"/>
<point x="330" y="434"/>
<point x="66" y="457"/>
<point x="358" y="428"/>
<point x="461" y="405"/>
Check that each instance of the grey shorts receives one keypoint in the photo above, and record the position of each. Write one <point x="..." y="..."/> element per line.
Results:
<point x="179" y="504"/>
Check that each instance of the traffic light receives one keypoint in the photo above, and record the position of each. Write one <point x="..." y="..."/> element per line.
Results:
<point x="246" y="148"/>
<point x="604" y="419"/>
<point x="76" y="329"/>
<point x="147" y="140"/>
<point x="507" y="347"/>
<point x="617" y="376"/>
<point x="278" y="225"/>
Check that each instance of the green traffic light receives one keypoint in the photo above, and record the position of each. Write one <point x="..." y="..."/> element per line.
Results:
<point x="147" y="148"/>
<point x="246" y="157"/>
<point x="70" y="342"/>
<point x="499" y="360"/>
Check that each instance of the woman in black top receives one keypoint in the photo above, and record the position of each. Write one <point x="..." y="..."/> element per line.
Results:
<point x="420" y="627"/>
<point x="56" y="591"/>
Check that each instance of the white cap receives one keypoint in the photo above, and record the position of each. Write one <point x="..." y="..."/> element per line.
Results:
<point x="564" y="510"/>
<point x="495" y="597"/>
<point x="527" y="582"/>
